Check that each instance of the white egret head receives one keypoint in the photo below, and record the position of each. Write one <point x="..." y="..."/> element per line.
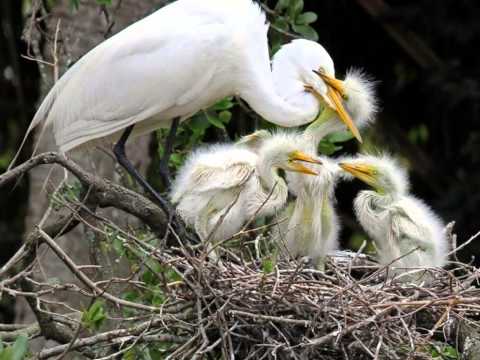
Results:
<point x="383" y="173"/>
<point x="304" y="75"/>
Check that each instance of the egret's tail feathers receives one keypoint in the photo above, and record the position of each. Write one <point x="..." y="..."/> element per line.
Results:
<point x="40" y="116"/>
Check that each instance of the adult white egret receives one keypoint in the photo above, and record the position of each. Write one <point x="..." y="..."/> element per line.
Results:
<point x="221" y="187"/>
<point x="402" y="226"/>
<point x="183" y="58"/>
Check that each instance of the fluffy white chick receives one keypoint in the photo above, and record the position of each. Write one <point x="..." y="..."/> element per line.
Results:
<point x="221" y="187"/>
<point x="406" y="232"/>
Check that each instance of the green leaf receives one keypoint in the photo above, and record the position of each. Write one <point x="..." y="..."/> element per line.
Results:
<point x="282" y="24"/>
<point x="306" y="31"/>
<point x="306" y="18"/>
<point x="94" y="317"/>
<point x="223" y="104"/>
<point x="328" y="148"/>
<point x="339" y="136"/>
<point x="225" y="116"/>
<point x="295" y="8"/>
<point x="282" y="5"/>
<point x="104" y="2"/>
<point x="267" y="265"/>
<point x="19" y="348"/>
<point x="215" y="121"/>
<point x="198" y="125"/>
<point x="172" y="275"/>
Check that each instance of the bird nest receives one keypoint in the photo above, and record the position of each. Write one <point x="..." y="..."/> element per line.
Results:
<point x="353" y="310"/>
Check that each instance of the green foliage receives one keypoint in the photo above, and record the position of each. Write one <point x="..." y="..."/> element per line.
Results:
<point x="68" y="193"/>
<point x="192" y="132"/>
<point x="290" y="18"/>
<point x="268" y="265"/>
<point x="158" y="351"/>
<point x="94" y="316"/>
<point x="330" y="143"/>
<point x="17" y="351"/>
<point x="443" y="352"/>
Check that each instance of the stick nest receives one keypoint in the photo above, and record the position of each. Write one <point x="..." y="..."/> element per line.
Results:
<point x="352" y="310"/>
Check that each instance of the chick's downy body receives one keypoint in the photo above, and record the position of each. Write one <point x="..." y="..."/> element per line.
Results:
<point x="312" y="225"/>
<point x="221" y="187"/>
<point x="406" y="232"/>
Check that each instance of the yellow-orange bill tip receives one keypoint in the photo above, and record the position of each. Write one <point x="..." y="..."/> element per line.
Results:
<point x="301" y="156"/>
<point x="303" y="169"/>
<point x="344" y="116"/>
<point x="362" y="171"/>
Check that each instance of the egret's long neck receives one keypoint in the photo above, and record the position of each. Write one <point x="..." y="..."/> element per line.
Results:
<point x="258" y="90"/>
<point x="325" y="124"/>
<point x="268" y="174"/>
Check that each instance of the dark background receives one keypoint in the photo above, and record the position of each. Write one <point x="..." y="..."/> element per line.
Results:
<point x="424" y="54"/>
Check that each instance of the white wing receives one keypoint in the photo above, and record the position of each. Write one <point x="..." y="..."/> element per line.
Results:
<point x="213" y="168"/>
<point x="154" y="67"/>
<point x="205" y="180"/>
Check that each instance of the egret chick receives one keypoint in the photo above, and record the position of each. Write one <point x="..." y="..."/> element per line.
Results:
<point x="221" y="187"/>
<point x="312" y="225"/>
<point x="402" y="226"/>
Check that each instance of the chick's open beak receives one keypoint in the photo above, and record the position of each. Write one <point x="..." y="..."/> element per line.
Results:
<point x="364" y="172"/>
<point x="335" y="91"/>
<point x="297" y="167"/>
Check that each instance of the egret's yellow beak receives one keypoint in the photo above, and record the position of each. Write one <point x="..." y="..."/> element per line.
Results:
<point x="366" y="173"/>
<point x="335" y="92"/>
<point x="300" y="156"/>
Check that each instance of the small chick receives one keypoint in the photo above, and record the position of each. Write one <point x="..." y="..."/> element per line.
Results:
<point x="312" y="226"/>
<point x="221" y="187"/>
<point x="406" y="232"/>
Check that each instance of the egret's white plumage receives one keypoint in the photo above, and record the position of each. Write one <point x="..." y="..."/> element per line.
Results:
<point x="215" y="177"/>
<point x="157" y="70"/>
<point x="397" y="221"/>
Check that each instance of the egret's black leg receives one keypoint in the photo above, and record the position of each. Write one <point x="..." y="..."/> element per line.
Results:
<point x="119" y="151"/>
<point x="164" y="170"/>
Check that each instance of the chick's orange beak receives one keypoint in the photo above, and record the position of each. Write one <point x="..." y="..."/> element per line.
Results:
<point x="364" y="172"/>
<point x="301" y="156"/>
<point x="335" y="92"/>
